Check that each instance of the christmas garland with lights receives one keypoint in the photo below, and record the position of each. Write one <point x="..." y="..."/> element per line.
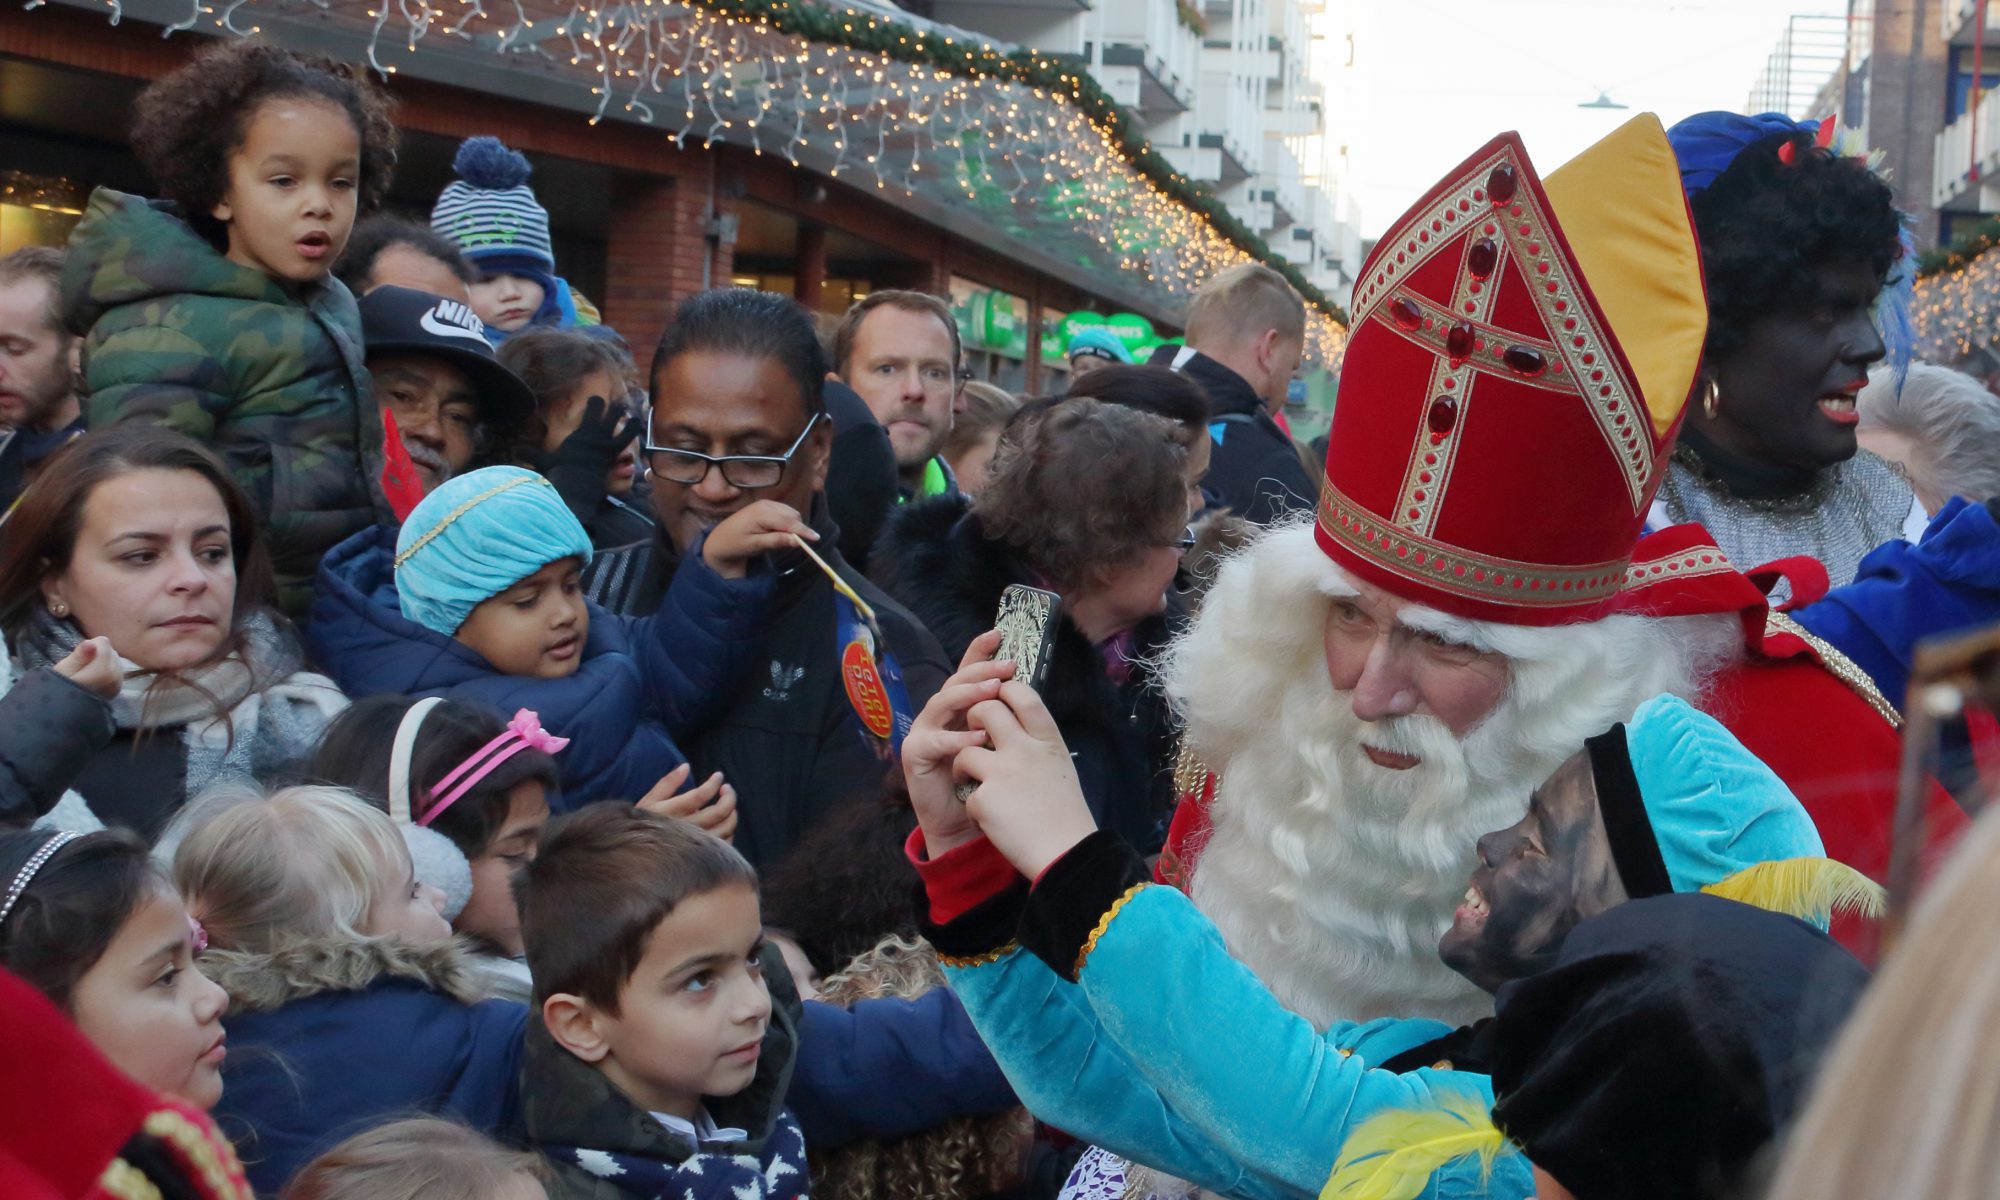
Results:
<point x="1959" y="255"/>
<point x="863" y="31"/>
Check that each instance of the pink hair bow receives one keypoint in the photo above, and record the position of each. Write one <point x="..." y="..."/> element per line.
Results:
<point x="524" y="732"/>
<point x="527" y="725"/>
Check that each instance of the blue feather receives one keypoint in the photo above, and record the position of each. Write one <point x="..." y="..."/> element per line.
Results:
<point x="1895" y="308"/>
<point x="485" y="162"/>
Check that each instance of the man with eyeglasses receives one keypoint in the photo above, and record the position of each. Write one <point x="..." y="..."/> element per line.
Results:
<point x="738" y="416"/>
<point x="900" y="350"/>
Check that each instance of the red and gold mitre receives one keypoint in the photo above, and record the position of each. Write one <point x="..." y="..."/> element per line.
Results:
<point x="1521" y="355"/>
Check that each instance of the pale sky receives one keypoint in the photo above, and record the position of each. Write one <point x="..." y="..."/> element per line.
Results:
<point x="1432" y="80"/>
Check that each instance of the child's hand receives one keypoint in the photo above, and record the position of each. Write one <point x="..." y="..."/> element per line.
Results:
<point x="711" y="806"/>
<point x="1028" y="800"/>
<point x="602" y="431"/>
<point x="93" y="666"/>
<point x="936" y="738"/>
<point x="759" y="529"/>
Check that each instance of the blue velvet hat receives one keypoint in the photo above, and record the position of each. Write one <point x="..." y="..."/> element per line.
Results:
<point x="476" y="536"/>
<point x="1706" y="143"/>
<point x="1688" y="809"/>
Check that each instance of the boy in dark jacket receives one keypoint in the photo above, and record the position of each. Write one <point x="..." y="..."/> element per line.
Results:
<point x="663" y="1050"/>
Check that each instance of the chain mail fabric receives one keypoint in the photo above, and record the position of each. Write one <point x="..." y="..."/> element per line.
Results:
<point x="1855" y="507"/>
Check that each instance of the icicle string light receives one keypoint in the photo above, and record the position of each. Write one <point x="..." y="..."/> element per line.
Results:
<point x="1025" y="140"/>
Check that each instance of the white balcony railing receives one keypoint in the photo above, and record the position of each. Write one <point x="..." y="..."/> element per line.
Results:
<point x="1281" y="177"/>
<point x="1963" y="145"/>
<point x="1955" y="20"/>
<point x="1147" y="36"/>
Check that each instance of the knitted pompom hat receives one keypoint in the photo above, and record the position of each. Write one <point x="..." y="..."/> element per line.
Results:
<point x="491" y="212"/>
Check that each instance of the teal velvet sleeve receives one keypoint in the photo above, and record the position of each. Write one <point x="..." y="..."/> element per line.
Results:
<point x="1258" y="1082"/>
<point x="1072" y="1076"/>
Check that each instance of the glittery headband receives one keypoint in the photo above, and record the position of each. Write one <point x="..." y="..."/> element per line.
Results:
<point x="462" y="509"/>
<point x="35" y="862"/>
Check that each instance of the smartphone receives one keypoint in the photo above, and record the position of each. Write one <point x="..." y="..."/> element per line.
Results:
<point x="1027" y="624"/>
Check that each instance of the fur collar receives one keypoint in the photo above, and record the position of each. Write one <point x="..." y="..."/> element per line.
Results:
<point x="263" y="982"/>
<point x="935" y="557"/>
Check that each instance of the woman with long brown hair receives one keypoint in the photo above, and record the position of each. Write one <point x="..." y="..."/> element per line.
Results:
<point x="144" y="661"/>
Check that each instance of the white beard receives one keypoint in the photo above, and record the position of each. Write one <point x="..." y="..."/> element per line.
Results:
<point x="1333" y="878"/>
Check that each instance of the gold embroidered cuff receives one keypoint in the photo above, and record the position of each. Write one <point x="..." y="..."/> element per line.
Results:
<point x="978" y="960"/>
<point x="1104" y="923"/>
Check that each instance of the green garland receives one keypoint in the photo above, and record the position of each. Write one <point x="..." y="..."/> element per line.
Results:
<point x="821" y="22"/>
<point x="1946" y="259"/>
<point x="1188" y="13"/>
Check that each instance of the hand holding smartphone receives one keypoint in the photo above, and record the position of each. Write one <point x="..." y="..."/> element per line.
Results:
<point x="1027" y="624"/>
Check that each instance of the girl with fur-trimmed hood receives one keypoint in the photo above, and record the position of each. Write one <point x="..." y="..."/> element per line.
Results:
<point x="350" y="1002"/>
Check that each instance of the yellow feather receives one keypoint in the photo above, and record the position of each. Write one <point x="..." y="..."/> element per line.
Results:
<point x="1392" y="1156"/>
<point x="1812" y="889"/>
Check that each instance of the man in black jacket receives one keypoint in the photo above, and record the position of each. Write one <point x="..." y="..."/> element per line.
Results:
<point x="1245" y="335"/>
<point x="791" y="743"/>
<point x="40" y="410"/>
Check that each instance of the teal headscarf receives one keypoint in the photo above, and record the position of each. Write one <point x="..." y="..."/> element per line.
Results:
<point x="476" y="536"/>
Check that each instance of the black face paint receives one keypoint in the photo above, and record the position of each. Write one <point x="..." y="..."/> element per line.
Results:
<point x="1770" y="389"/>
<point x="1536" y="880"/>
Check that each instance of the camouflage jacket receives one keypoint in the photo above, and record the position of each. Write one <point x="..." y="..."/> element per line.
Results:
<point x="274" y="381"/>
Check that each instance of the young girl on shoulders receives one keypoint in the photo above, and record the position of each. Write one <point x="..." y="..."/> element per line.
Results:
<point x="214" y="313"/>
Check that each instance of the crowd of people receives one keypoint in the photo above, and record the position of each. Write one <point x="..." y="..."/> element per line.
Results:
<point x="448" y="751"/>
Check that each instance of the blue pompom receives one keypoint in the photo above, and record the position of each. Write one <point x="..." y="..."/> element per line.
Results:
<point x="485" y="162"/>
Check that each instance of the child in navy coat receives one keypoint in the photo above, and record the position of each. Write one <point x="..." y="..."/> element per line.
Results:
<point x="477" y="598"/>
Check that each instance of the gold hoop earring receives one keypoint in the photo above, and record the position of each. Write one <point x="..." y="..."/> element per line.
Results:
<point x="1711" y="398"/>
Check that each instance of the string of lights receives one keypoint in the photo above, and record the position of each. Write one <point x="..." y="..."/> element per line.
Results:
<point x="1957" y="312"/>
<point x="1027" y="141"/>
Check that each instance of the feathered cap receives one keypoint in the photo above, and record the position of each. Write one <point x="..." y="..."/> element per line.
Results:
<point x="1670" y="1040"/>
<point x="492" y="213"/>
<point x="1521" y="356"/>
<point x="1706" y="144"/>
<point x="1688" y="809"/>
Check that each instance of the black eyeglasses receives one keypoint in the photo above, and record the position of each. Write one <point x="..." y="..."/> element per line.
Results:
<point x="1185" y="542"/>
<point x="746" y="471"/>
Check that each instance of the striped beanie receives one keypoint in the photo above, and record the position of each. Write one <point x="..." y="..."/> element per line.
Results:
<point x="491" y="212"/>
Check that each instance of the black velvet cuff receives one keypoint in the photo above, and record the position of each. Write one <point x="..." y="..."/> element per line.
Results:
<point x="981" y="933"/>
<point x="1635" y="850"/>
<point x="1073" y="896"/>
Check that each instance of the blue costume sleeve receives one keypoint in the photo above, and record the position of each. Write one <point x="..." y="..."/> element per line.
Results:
<point x="1256" y="1079"/>
<point x="1948" y="582"/>
<point x="707" y="633"/>
<point x="1070" y="1075"/>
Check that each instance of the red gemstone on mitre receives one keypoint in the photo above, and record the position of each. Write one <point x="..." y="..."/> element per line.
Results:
<point x="1525" y="359"/>
<point x="1458" y="342"/>
<point x="1443" y="415"/>
<point x="1501" y="183"/>
<point x="1482" y="258"/>
<point x="1406" y="312"/>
